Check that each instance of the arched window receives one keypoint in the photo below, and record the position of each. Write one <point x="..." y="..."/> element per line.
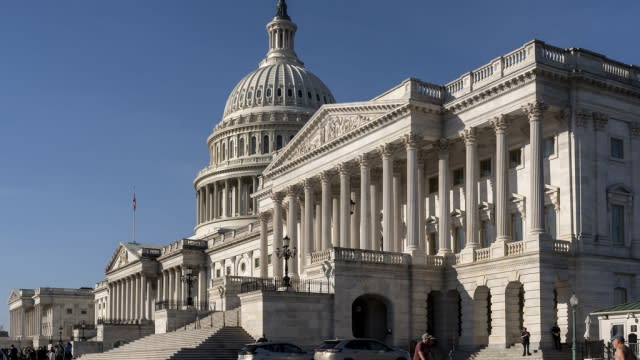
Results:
<point x="278" y="142"/>
<point x="254" y="146"/>
<point x="241" y="147"/>
<point x="231" y="149"/>
<point x="265" y="144"/>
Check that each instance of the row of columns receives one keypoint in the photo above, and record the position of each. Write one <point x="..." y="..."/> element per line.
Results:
<point x="131" y="298"/>
<point x="211" y="204"/>
<point x="25" y="323"/>
<point x="172" y="287"/>
<point x="363" y="235"/>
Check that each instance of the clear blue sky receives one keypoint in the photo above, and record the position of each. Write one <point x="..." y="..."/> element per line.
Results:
<point x="99" y="96"/>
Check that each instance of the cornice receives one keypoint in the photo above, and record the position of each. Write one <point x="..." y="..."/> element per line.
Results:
<point x="253" y="127"/>
<point x="227" y="173"/>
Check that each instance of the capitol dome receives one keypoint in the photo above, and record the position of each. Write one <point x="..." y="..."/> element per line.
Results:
<point x="262" y="115"/>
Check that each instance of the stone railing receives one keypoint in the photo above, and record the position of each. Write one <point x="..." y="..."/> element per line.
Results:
<point x="515" y="248"/>
<point x="358" y="255"/>
<point x="184" y="244"/>
<point x="421" y="89"/>
<point x="435" y="261"/>
<point x="482" y="254"/>
<point x="561" y="246"/>
<point x="245" y="160"/>
<point x="539" y="52"/>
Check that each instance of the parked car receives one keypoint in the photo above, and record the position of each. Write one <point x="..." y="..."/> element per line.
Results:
<point x="358" y="349"/>
<point x="273" y="351"/>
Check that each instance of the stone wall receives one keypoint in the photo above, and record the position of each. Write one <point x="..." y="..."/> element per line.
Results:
<point x="112" y="334"/>
<point x="301" y="318"/>
<point x="170" y="320"/>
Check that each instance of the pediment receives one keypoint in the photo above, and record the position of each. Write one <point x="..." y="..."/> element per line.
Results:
<point x="122" y="256"/>
<point x="332" y="124"/>
<point x="15" y="295"/>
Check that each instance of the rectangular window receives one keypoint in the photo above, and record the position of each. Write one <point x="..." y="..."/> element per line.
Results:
<point x="617" y="224"/>
<point x="228" y="270"/>
<point x="256" y="262"/>
<point x="485" y="233"/>
<point x="485" y="168"/>
<point x="217" y="273"/>
<point x="459" y="238"/>
<point x="458" y="177"/>
<point x="69" y="311"/>
<point x="83" y="312"/>
<point x="433" y="185"/>
<point x="516" y="227"/>
<point x="549" y="146"/>
<point x="269" y="259"/>
<point x="617" y="148"/>
<point x="515" y="158"/>
<point x="550" y="220"/>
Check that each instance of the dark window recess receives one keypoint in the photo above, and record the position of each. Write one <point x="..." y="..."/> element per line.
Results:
<point x="433" y="184"/>
<point x="458" y="177"/>
<point x="515" y="158"/>
<point x="279" y="92"/>
<point x="617" y="148"/>
<point x="485" y="168"/>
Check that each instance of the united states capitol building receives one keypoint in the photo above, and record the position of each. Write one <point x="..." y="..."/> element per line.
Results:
<point x="466" y="210"/>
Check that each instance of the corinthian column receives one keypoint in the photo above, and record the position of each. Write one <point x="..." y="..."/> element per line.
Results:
<point x="411" y="141"/>
<point x="534" y="111"/>
<point x="365" y="203"/>
<point x="277" y="234"/>
<point x="345" y="205"/>
<point x="292" y="227"/>
<point x="264" y="268"/>
<point x="444" y="236"/>
<point x="309" y="205"/>
<point x="471" y="187"/>
<point x="325" y="180"/>
<point x="386" y="153"/>
<point x="500" y="124"/>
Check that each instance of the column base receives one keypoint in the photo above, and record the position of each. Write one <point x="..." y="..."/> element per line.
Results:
<point x="499" y="248"/>
<point x="467" y="255"/>
<point x="418" y="256"/>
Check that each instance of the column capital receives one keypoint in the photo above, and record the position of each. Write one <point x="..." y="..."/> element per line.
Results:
<point x="535" y="110"/>
<point x="582" y="118"/>
<point x="309" y="184"/>
<point x="500" y="124"/>
<point x="386" y="150"/>
<point x="325" y="177"/>
<point x="264" y="216"/>
<point x="345" y="168"/>
<point x="365" y="160"/>
<point x="442" y="146"/>
<point x="469" y="135"/>
<point x="293" y="191"/>
<point x="411" y="140"/>
<point x="600" y="121"/>
<point x="277" y="197"/>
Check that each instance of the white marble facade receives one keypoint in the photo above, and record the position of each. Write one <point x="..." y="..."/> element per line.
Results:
<point x="468" y="209"/>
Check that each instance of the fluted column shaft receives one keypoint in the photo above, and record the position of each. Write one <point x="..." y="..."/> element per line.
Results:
<point x="536" y="174"/>
<point x="309" y="206"/>
<point x="326" y="211"/>
<point x="345" y="206"/>
<point x="365" y="204"/>
<point x="375" y="213"/>
<point x="216" y="201"/>
<point x="277" y="235"/>
<point x="397" y="212"/>
<point x="500" y="125"/>
<point x="387" y="198"/>
<point x="264" y="269"/>
<point x="335" y="220"/>
<point x="292" y="228"/>
<point x="471" y="187"/>
<point x="413" y="203"/>
<point x="444" y="236"/>
<point x="225" y="199"/>
<point x="421" y="207"/>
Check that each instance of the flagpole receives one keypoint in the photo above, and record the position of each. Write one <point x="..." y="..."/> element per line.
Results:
<point x="134" y="216"/>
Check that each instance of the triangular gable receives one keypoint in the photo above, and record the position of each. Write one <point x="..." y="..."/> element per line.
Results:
<point x="330" y="124"/>
<point x="122" y="256"/>
<point x="15" y="295"/>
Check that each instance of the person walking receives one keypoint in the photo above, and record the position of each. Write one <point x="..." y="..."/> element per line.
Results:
<point x="525" y="335"/>
<point x="622" y="351"/>
<point x="555" y="333"/>
<point x="423" y="348"/>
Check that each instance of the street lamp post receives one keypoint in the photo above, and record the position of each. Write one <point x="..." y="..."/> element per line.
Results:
<point x="189" y="277"/>
<point x="82" y="326"/>
<point x="574" y="304"/>
<point x="60" y="335"/>
<point x="286" y="253"/>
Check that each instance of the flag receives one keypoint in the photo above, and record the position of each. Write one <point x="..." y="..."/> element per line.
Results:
<point x="134" y="203"/>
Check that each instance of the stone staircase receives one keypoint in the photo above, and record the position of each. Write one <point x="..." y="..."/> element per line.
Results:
<point x="217" y="336"/>
<point x="515" y="352"/>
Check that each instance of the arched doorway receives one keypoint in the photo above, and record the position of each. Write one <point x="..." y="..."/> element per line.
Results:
<point x="481" y="316"/>
<point x="514" y="307"/>
<point x="369" y="317"/>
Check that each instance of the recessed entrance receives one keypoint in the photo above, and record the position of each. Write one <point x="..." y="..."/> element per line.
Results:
<point x="369" y="317"/>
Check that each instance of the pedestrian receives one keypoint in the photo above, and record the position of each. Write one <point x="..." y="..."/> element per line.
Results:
<point x="68" y="352"/>
<point x="622" y="351"/>
<point x="555" y="333"/>
<point x="423" y="348"/>
<point x="525" y="335"/>
<point x="13" y="353"/>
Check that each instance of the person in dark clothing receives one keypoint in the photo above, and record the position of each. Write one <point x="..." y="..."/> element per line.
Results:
<point x="525" y="335"/>
<point x="13" y="353"/>
<point x="555" y="333"/>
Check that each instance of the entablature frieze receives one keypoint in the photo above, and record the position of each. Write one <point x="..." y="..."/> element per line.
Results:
<point x="246" y="129"/>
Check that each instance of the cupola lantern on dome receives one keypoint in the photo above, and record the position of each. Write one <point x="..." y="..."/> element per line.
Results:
<point x="282" y="33"/>
<point x="282" y="10"/>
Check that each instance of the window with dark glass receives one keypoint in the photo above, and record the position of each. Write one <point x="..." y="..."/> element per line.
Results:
<point x="256" y="262"/>
<point x="617" y="148"/>
<point x="217" y="273"/>
<point x="254" y="145"/>
<point x="515" y="158"/>
<point x="279" y="92"/>
<point x="485" y="168"/>
<point x="269" y="92"/>
<point x="516" y="226"/>
<point x="228" y="270"/>
<point x="433" y="185"/>
<point x="617" y="224"/>
<point x="278" y="142"/>
<point x="231" y="149"/>
<point x="485" y="233"/>
<point x="241" y="147"/>
<point x="265" y="144"/>
<point x="549" y="146"/>
<point x="458" y="177"/>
